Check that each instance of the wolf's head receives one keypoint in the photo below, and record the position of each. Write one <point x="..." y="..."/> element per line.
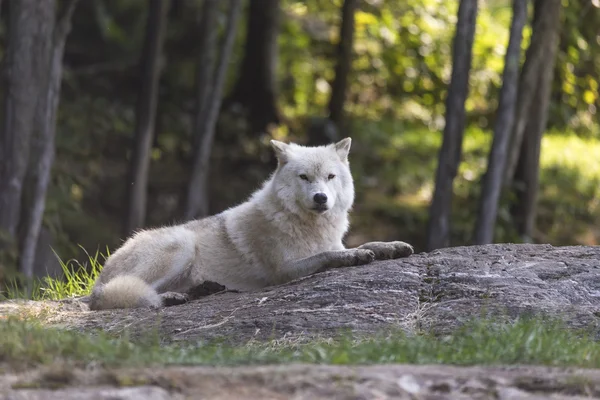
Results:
<point x="314" y="179"/>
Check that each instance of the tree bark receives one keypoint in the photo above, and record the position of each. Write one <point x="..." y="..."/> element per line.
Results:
<point x="344" y="63"/>
<point x="493" y="179"/>
<point x="47" y="128"/>
<point x="150" y="68"/>
<point x="526" y="179"/>
<point x="450" y="153"/>
<point x="256" y="87"/>
<point x="30" y="29"/>
<point x="197" y="199"/>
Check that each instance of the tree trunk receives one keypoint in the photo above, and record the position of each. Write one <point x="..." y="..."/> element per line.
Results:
<point x="256" y="87"/>
<point x="450" y="153"/>
<point x="527" y="90"/>
<point x="526" y="180"/>
<point x="30" y="27"/>
<point x="150" y="68"/>
<point x="47" y="128"/>
<point x="197" y="202"/>
<point x="207" y="52"/>
<point x="323" y="131"/>
<point x="493" y="180"/>
<point x="197" y="199"/>
<point x="344" y="63"/>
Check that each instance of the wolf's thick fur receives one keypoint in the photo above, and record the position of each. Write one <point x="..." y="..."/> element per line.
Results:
<point x="292" y="227"/>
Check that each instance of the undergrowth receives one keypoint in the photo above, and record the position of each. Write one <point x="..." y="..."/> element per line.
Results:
<point x="394" y="168"/>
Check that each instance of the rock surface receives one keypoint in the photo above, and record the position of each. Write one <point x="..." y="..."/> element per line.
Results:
<point x="435" y="291"/>
<point x="304" y="382"/>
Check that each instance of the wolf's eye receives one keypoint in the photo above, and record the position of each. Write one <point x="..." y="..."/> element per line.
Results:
<point x="331" y="176"/>
<point x="303" y="177"/>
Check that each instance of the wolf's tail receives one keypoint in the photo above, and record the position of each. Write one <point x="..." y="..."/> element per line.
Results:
<point x="125" y="291"/>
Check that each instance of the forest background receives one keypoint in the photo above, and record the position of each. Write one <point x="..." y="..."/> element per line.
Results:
<point x="472" y="121"/>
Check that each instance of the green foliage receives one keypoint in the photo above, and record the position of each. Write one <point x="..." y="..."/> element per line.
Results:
<point x="402" y="61"/>
<point x="576" y="99"/>
<point x="525" y="341"/>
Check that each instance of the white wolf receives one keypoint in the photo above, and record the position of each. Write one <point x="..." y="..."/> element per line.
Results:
<point x="292" y="227"/>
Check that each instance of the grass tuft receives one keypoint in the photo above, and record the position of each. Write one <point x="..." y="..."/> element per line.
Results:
<point x="77" y="280"/>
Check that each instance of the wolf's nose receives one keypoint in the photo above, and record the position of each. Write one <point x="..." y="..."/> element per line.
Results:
<point x="320" y="198"/>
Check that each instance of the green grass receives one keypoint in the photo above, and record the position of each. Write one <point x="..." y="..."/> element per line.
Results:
<point x="526" y="341"/>
<point x="77" y="280"/>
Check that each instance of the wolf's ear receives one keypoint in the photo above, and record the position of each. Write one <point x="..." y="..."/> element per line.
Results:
<point x="281" y="151"/>
<point x="342" y="148"/>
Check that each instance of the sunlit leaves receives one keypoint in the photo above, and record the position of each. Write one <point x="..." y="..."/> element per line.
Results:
<point x="403" y="54"/>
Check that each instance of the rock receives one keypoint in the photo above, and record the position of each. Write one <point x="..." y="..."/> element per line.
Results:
<point x="96" y="393"/>
<point x="308" y="382"/>
<point x="435" y="291"/>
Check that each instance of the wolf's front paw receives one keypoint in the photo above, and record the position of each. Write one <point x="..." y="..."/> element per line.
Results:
<point x="389" y="250"/>
<point x="173" y="298"/>
<point x="361" y="257"/>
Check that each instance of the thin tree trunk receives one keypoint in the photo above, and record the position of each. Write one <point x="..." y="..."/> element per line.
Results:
<point x="25" y="65"/>
<point x="526" y="180"/>
<point x="450" y="153"/>
<point x="207" y="53"/>
<point x="255" y="89"/>
<point x="344" y="63"/>
<point x="150" y="66"/>
<point x="493" y="180"/>
<point x="205" y="69"/>
<point x="48" y="133"/>
<point x="527" y="90"/>
<point x="197" y="199"/>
